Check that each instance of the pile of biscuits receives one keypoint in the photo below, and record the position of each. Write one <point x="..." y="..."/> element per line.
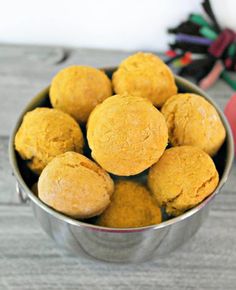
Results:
<point x="88" y="148"/>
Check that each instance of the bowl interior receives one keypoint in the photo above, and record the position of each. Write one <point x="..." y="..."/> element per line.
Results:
<point x="223" y="159"/>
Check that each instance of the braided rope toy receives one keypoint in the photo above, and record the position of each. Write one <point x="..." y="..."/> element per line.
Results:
<point x="203" y="50"/>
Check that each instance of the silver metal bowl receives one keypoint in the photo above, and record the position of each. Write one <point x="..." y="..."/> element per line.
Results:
<point x="111" y="244"/>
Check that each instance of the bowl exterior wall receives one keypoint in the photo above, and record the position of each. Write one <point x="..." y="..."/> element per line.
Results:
<point x="119" y="246"/>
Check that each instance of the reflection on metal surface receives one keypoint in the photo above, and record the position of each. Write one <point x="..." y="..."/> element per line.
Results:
<point x="120" y="247"/>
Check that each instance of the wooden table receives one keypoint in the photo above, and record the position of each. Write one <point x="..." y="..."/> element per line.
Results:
<point x="30" y="260"/>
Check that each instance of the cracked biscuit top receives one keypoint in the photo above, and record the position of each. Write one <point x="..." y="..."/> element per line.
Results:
<point x="182" y="178"/>
<point x="126" y="134"/>
<point x="76" y="186"/>
<point x="145" y="75"/>
<point x="46" y="133"/>
<point x="192" y="120"/>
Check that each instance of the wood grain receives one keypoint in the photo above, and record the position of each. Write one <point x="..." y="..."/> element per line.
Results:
<point x="30" y="260"/>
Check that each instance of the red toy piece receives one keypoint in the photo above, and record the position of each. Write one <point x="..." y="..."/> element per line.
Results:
<point x="230" y="112"/>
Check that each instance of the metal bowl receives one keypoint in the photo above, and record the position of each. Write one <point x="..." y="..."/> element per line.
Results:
<point x="112" y="244"/>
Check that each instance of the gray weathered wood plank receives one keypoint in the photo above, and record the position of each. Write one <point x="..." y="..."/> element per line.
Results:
<point x="7" y="181"/>
<point x="30" y="260"/>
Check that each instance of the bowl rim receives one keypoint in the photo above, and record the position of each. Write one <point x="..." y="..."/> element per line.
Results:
<point x="172" y="221"/>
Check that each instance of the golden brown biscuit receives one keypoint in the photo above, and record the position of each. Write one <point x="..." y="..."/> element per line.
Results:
<point x="131" y="206"/>
<point x="126" y="134"/>
<point x="192" y="120"/>
<point x="46" y="133"/>
<point x="145" y="75"/>
<point x="182" y="178"/>
<point x="76" y="90"/>
<point x="76" y="186"/>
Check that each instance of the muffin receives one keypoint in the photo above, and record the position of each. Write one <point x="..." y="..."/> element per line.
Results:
<point x="182" y="178"/>
<point x="145" y="75"/>
<point x="126" y="134"/>
<point x="192" y="120"/>
<point x="76" y="186"/>
<point x="44" y="134"/>
<point x="76" y="90"/>
<point x="131" y="206"/>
